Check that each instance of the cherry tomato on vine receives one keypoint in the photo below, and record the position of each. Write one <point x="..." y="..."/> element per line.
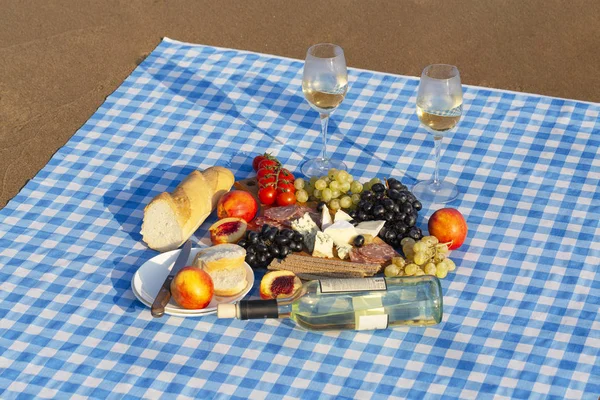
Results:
<point x="261" y="157"/>
<point x="267" y="180"/>
<point x="286" y="199"/>
<point x="267" y="195"/>
<point x="265" y="171"/>
<point x="268" y="163"/>
<point x="285" y="186"/>
<point x="286" y="175"/>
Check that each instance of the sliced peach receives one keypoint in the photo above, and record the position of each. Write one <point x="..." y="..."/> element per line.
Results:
<point x="227" y="230"/>
<point x="279" y="284"/>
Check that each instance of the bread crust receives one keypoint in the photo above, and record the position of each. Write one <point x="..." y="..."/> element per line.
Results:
<point x="192" y="201"/>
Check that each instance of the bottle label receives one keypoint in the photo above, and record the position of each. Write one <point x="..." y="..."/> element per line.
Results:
<point x="352" y="285"/>
<point x="368" y="322"/>
<point x="369" y="313"/>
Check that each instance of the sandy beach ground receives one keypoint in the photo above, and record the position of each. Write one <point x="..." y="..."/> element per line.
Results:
<point x="59" y="59"/>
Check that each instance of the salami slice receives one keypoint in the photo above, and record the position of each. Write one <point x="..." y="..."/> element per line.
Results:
<point x="376" y="253"/>
<point x="258" y="222"/>
<point x="357" y="257"/>
<point x="282" y="213"/>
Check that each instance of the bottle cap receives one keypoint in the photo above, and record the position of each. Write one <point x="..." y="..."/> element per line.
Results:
<point x="226" y="311"/>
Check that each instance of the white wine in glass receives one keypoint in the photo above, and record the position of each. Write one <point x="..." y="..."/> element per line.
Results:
<point x="439" y="108"/>
<point x="324" y="84"/>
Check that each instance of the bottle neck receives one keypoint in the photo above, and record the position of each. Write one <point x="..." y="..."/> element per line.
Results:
<point x="260" y="309"/>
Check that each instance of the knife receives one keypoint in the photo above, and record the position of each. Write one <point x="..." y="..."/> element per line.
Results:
<point x="164" y="294"/>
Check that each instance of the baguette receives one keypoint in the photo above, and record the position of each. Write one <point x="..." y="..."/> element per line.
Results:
<point x="171" y="218"/>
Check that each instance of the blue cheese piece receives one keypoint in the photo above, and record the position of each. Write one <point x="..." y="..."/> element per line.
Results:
<point x="341" y="216"/>
<point x="323" y="246"/>
<point x="325" y="217"/>
<point x="308" y="229"/>
<point x="343" y="251"/>
<point x="342" y="232"/>
<point x="369" y="228"/>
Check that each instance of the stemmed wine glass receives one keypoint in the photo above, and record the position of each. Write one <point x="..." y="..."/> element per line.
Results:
<point x="439" y="107"/>
<point x="324" y="84"/>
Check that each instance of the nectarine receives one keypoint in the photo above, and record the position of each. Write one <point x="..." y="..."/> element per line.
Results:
<point x="192" y="288"/>
<point x="237" y="204"/>
<point x="279" y="284"/>
<point x="227" y="230"/>
<point x="448" y="225"/>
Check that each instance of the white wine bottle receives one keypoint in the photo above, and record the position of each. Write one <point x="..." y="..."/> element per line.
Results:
<point x="351" y="304"/>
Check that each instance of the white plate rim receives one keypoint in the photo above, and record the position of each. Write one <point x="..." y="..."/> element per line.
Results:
<point x="165" y="261"/>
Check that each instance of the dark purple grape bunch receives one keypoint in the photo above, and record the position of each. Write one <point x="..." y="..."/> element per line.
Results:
<point x="262" y="247"/>
<point x="394" y="204"/>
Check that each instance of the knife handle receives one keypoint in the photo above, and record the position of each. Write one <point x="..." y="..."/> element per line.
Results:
<point x="162" y="299"/>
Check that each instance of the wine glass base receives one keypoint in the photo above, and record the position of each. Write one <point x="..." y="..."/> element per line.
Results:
<point x="320" y="166"/>
<point x="428" y="192"/>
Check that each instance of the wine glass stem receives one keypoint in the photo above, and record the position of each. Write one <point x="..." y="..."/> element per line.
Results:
<point x="324" y="124"/>
<point x="437" y="145"/>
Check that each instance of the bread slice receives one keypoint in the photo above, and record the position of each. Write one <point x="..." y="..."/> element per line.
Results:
<point x="171" y="218"/>
<point x="221" y="256"/>
<point x="229" y="282"/>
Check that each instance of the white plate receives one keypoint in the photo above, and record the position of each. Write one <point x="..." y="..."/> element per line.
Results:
<point x="148" y="279"/>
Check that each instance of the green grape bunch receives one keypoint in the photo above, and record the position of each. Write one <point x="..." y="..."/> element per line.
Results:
<point x="338" y="189"/>
<point x="423" y="257"/>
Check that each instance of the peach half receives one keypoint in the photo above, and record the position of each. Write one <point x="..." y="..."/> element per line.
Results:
<point x="279" y="284"/>
<point x="227" y="230"/>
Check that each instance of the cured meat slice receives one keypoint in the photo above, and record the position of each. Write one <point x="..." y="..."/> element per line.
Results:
<point x="357" y="257"/>
<point x="282" y="213"/>
<point x="373" y="253"/>
<point x="258" y="222"/>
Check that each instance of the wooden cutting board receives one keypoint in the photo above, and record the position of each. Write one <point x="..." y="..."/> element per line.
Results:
<point x="250" y="185"/>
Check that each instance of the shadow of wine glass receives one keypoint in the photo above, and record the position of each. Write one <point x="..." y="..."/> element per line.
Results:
<point x="265" y="97"/>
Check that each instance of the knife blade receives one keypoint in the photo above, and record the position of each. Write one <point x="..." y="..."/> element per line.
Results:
<point x="164" y="294"/>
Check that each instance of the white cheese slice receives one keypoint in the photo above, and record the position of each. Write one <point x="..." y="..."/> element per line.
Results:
<point x="342" y="232"/>
<point x="323" y="246"/>
<point x="308" y="229"/>
<point x="325" y="217"/>
<point x="341" y="216"/>
<point x="343" y="251"/>
<point x="370" y="227"/>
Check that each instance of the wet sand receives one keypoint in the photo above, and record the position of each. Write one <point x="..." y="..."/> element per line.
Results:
<point x="60" y="59"/>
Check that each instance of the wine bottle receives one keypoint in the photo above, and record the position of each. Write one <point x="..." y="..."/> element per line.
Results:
<point x="351" y="304"/>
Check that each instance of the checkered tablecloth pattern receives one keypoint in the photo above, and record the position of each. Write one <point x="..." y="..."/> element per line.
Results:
<point x="521" y="310"/>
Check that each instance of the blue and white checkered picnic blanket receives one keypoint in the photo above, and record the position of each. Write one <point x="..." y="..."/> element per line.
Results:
<point x="521" y="310"/>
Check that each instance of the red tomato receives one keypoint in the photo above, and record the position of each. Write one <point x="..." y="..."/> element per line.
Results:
<point x="286" y="174"/>
<point x="267" y="180"/>
<point x="267" y="195"/>
<point x="285" y="186"/>
<point x="257" y="161"/>
<point x="262" y="172"/>
<point x="261" y="157"/>
<point x="286" y="199"/>
<point x="269" y="163"/>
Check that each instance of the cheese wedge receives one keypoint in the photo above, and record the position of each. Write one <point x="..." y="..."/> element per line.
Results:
<point x="308" y="229"/>
<point x="341" y="216"/>
<point x="369" y="228"/>
<point x="323" y="246"/>
<point x="325" y="218"/>
<point x="342" y="232"/>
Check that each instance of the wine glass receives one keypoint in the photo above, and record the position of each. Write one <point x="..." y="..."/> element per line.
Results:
<point x="324" y="84"/>
<point x="439" y="107"/>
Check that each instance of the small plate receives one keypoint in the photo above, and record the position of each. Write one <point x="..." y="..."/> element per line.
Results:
<point x="148" y="279"/>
